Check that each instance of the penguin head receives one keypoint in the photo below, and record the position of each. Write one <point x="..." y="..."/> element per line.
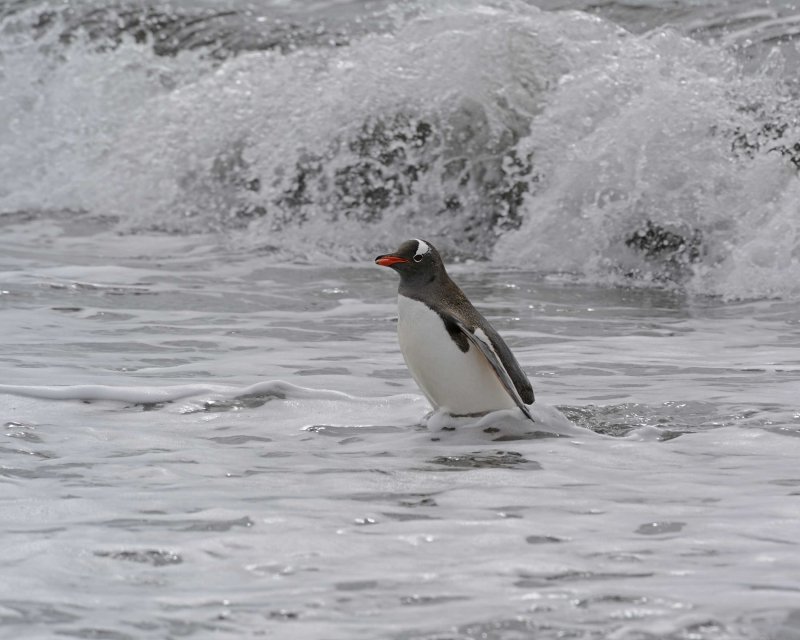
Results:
<point x="417" y="261"/>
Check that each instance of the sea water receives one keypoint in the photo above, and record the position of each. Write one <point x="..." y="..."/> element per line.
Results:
<point x="207" y="429"/>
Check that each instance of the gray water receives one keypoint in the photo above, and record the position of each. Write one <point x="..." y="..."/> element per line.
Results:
<point x="207" y="427"/>
<point x="202" y="444"/>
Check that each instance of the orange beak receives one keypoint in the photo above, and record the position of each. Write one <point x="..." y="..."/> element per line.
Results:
<point x="389" y="260"/>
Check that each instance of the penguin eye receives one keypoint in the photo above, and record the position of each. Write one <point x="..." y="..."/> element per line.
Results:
<point x="418" y="258"/>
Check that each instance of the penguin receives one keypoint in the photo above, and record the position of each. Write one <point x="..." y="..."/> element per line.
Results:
<point x="459" y="361"/>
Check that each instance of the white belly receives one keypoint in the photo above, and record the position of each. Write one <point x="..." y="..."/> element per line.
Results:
<point x="454" y="381"/>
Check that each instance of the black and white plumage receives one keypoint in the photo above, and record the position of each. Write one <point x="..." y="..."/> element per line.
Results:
<point x="456" y="357"/>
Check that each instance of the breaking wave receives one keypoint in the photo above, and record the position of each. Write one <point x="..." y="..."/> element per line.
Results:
<point x="557" y="141"/>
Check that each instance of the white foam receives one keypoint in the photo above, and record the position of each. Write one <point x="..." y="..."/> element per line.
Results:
<point x="602" y="169"/>
<point x="510" y="422"/>
<point x="169" y="394"/>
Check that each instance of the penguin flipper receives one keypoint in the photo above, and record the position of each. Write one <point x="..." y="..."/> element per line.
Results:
<point x="488" y="352"/>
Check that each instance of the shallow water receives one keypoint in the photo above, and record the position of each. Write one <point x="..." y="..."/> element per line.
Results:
<point x="207" y="426"/>
<point x="202" y="444"/>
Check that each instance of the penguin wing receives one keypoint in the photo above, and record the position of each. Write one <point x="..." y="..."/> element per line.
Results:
<point x="515" y="372"/>
<point x="485" y="346"/>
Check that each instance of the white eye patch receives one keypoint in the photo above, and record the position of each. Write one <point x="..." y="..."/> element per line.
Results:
<point x="422" y="248"/>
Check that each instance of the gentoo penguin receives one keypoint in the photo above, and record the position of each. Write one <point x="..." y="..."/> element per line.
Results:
<point x="456" y="357"/>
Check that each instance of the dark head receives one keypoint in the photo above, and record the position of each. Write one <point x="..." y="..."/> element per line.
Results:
<point x="417" y="261"/>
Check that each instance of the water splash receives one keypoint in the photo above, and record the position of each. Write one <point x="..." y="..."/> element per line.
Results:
<point x="557" y="141"/>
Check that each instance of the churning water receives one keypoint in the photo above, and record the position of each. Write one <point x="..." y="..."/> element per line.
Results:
<point x="207" y="427"/>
